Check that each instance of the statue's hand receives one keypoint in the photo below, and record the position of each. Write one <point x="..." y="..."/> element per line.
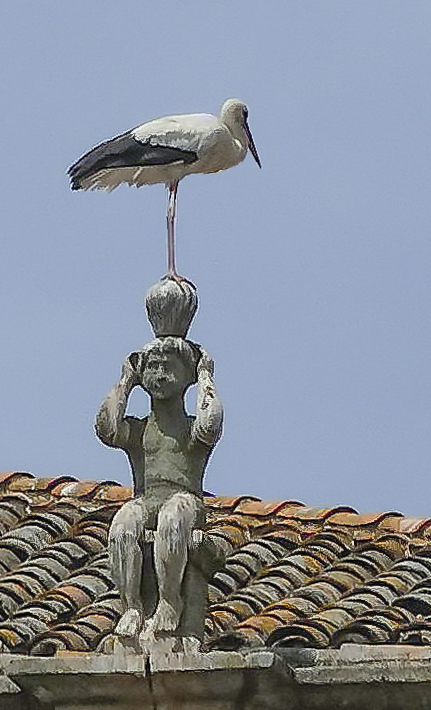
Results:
<point x="130" y="369"/>
<point x="206" y="363"/>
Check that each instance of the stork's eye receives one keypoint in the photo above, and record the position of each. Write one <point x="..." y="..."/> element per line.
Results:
<point x="245" y="113"/>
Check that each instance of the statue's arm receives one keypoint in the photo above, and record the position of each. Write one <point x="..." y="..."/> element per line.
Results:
<point x="209" y="410"/>
<point x="112" y="426"/>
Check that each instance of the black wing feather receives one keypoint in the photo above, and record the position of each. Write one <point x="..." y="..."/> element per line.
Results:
<point x="125" y="151"/>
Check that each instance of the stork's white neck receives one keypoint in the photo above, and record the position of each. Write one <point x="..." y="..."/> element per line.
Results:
<point x="233" y="117"/>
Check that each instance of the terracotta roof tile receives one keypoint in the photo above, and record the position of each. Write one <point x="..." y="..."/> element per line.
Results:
<point x="228" y="502"/>
<point x="416" y="632"/>
<point x="264" y="508"/>
<point x="64" y="638"/>
<point x="114" y="494"/>
<point x="367" y="519"/>
<point x="414" y="525"/>
<point x="338" y="619"/>
<point x="20" y="483"/>
<point x="293" y="575"/>
<point x="8" y="477"/>
<point x="48" y="484"/>
<point x="318" y="514"/>
<point x="85" y="490"/>
<point x="231" y="533"/>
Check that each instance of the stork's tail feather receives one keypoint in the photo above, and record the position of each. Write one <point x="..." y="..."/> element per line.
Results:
<point x="88" y="165"/>
<point x="74" y="181"/>
<point x="102" y="156"/>
<point x="79" y="171"/>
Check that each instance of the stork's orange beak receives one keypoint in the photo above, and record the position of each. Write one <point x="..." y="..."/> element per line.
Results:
<point x="251" y="144"/>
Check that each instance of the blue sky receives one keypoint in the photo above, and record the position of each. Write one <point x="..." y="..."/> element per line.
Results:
<point x="313" y="273"/>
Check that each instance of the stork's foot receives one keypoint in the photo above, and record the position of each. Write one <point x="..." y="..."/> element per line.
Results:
<point x="180" y="280"/>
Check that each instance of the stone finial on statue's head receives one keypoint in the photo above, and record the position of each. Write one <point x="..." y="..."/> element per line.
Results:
<point x="171" y="307"/>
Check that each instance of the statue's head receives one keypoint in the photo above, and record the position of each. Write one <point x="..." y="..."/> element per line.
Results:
<point x="167" y="367"/>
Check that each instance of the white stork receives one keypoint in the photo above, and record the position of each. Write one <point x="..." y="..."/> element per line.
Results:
<point x="166" y="150"/>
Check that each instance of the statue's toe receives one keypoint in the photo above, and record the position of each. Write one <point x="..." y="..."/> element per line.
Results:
<point x="130" y="623"/>
<point x="166" y="617"/>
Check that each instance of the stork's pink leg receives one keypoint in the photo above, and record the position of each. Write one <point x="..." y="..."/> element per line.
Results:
<point x="172" y="205"/>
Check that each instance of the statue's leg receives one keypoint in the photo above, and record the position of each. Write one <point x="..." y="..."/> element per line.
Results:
<point x="176" y="520"/>
<point x="126" y="562"/>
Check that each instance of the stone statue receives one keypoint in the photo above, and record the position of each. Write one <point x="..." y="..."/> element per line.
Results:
<point x="159" y="556"/>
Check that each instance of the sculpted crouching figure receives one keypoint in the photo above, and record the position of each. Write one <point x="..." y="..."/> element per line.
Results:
<point x="153" y="536"/>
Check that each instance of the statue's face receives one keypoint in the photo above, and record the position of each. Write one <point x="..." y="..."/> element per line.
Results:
<point x="164" y="375"/>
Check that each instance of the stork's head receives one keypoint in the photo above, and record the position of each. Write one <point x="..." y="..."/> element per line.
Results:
<point x="235" y="114"/>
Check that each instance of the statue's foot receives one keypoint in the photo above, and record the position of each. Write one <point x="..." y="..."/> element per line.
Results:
<point x="166" y="617"/>
<point x="147" y="640"/>
<point x="130" y="623"/>
<point x="191" y="645"/>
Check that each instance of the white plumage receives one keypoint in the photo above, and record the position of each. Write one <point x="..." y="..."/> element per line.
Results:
<point x="166" y="150"/>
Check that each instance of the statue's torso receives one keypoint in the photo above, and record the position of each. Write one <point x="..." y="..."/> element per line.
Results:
<point x="170" y="460"/>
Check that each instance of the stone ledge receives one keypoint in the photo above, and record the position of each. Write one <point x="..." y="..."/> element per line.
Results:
<point x="73" y="663"/>
<point x="297" y="660"/>
<point x="7" y="686"/>
<point x="258" y="680"/>
<point x="368" y="672"/>
<point x="213" y="661"/>
<point x="102" y="664"/>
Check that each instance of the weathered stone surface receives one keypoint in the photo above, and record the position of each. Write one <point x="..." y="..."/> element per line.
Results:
<point x="171" y="307"/>
<point x="7" y="686"/>
<point x="159" y="556"/>
<point x="260" y="680"/>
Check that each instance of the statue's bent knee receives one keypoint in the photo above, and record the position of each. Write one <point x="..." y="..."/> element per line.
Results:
<point x="128" y="524"/>
<point x="177" y="518"/>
